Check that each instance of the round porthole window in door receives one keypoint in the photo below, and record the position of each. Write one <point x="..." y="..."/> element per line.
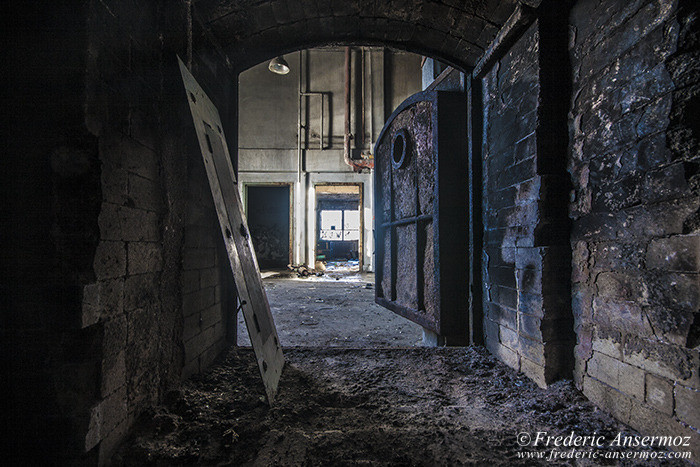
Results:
<point x="400" y="149"/>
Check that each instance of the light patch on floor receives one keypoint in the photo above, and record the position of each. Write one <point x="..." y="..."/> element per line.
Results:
<point x="322" y="311"/>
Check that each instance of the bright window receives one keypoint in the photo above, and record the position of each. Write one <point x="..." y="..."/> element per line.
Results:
<point x="337" y="225"/>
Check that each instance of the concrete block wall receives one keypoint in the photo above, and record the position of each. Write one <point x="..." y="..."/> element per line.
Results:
<point x="208" y="303"/>
<point x="203" y="285"/>
<point x="159" y="236"/>
<point x="130" y="297"/>
<point x="509" y="166"/>
<point x="99" y="165"/>
<point x="526" y="317"/>
<point x="636" y="243"/>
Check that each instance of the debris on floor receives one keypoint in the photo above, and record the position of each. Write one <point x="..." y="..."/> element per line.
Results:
<point x="320" y="266"/>
<point x="388" y="407"/>
<point x="304" y="271"/>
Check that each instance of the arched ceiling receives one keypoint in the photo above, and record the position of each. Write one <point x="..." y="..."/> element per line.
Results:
<point x="455" y="31"/>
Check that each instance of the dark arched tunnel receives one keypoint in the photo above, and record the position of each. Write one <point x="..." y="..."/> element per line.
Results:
<point x="567" y="266"/>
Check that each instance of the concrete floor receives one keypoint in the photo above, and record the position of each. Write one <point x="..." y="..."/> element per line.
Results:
<point x="334" y="310"/>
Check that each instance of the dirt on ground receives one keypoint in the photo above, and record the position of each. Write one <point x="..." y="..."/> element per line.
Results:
<point x="378" y="407"/>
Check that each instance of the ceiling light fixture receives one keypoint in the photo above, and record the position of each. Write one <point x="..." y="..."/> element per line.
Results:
<point x="279" y="65"/>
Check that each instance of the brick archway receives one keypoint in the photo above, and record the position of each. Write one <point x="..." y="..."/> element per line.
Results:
<point x="456" y="32"/>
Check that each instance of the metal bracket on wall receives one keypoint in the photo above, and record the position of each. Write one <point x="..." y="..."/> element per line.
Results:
<point x="320" y="123"/>
<point x="227" y="200"/>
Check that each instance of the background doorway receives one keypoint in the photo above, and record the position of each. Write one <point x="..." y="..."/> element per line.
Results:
<point x="268" y="212"/>
<point x="339" y="225"/>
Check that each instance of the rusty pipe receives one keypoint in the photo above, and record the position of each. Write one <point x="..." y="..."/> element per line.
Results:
<point x="359" y="164"/>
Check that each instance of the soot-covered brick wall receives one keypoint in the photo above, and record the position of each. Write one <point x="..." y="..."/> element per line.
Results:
<point x="131" y="297"/>
<point x="526" y="317"/>
<point x="160" y="293"/>
<point x="99" y="163"/>
<point x="510" y="192"/>
<point x="205" y="277"/>
<point x="636" y="244"/>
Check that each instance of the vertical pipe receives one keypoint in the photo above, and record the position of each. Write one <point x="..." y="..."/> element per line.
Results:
<point x="299" y="123"/>
<point x="346" y="137"/>
<point x="299" y="205"/>
<point x="361" y="139"/>
<point x="356" y="164"/>
<point x="371" y="102"/>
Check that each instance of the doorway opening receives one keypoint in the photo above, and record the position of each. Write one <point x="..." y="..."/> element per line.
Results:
<point x="269" y="221"/>
<point x="339" y="227"/>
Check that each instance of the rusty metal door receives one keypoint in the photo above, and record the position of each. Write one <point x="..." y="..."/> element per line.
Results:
<point x="223" y="184"/>
<point x="421" y="213"/>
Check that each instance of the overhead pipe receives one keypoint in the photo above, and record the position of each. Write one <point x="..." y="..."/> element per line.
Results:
<point x="356" y="164"/>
